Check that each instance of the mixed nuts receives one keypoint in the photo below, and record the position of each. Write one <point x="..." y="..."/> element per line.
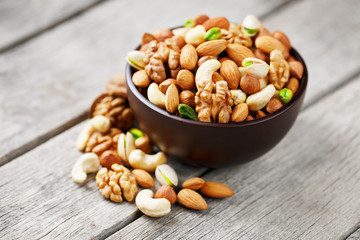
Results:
<point x="212" y="70"/>
<point x="109" y="141"/>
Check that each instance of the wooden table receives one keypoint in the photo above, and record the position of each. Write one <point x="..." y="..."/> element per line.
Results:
<point x="55" y="58"/>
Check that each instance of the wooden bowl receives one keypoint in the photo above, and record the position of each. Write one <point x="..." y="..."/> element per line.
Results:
<point x="214" y="144"/>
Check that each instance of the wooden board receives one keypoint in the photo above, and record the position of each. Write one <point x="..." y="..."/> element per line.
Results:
<point x="39" y="198"/>
<point x="354" y="236"/>
<point x="49" y="83"/>
<point x="22" y="19"/>
<point x="305" y="188"/>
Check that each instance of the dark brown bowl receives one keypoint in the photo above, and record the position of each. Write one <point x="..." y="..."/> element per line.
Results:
<point x="214" y="144"/>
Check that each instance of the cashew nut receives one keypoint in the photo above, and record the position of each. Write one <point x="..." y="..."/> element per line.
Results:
<point x="155" y="96"/>
<point x="126" y="144"/>
<point x="205" y="72"/>
<point x="166" y="175"/>
<point x="153" y="207"/>
<point x="180" y="31"/>
<point x="147" y="162"/>
<point x="87" y="163"/>
<point x="195" y="36"/>
<point x="97" y="123"/>
<point x="258" y="100"/>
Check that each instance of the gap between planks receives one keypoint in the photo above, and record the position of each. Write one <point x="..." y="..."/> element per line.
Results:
<point x="42" y="30"/>
<point x="81" y="117"/>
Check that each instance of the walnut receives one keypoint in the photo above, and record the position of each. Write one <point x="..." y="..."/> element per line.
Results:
<point x="222" y="102"/>
<point x="115" y="108"/>
<point x="108" y="182"/>
<point x="128" y="185"/>
<point x="113" y="183"/>
<point x="203" y="101"/>
<point x="279" y="69"/>
<point x="99" y="142"/>
<point x="155" y="68"/>
<point x="214" y="107"/>
<point x="174" y="57"/>
<point x="237" y="36"/>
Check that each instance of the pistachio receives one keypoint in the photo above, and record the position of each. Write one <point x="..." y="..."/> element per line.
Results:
<point x="189" y="23"/>
<point x="251" y="25"/>
<point x="255" y="67"/>
<point x="166" y="175"/>
<point x="285" y="95"/>
<point x="187" y="112"/>
<point x="213" y="34"/>
<point x="136" y="59"/>
<point x="137" y="133"/>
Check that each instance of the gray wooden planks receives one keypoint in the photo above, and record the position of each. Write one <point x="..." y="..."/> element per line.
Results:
<point x="39" y="198"/>
<point x="22" y="19"/>
<point x="305" y="188"/>
<point x="355" y="235"/>
<point x="49" y="82"/>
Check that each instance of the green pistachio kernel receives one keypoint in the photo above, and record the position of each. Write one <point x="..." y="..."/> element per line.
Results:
<point x="285" y="95"/>
<point x="250" y="32"/>
<point x="167" y="179"/>
<point x="212" y="34"/>
<point x="137" y="133"/>
<point x="189" y="23"/>
<point x="187" y="112"/>
<point x="248" y="63"/>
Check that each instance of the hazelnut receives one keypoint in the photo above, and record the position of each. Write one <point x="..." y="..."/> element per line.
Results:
<point x="161" y="35"/>
<point x="167" y="192"/>
<point x="260" y="114"/>
<point x="250" y="84"/>
<point x="143" y="143"/>
<point x="187" y="97"/>
<point x="274" y="105"/>
<point x="109" y="158"/>
<point x="296" y="69"/>
<point x="186" y="79"/>
<point x="293" y="85"/>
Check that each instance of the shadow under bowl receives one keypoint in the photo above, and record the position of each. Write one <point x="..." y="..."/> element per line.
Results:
<point x="214" y="144"/>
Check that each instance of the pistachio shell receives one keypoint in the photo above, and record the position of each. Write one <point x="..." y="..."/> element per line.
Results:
<point x="136" y="59"/>
<point x="252" y="23"/>
<point x="258" y="67"/>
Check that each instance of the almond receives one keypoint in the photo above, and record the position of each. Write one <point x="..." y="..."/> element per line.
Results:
<point x="260" y="114"/>
<point x="293" y="85"/>
<point x="296" y="69"/>
<point x="263" y="31"/>
<point x="146" y="38"/>
<point x="141" y="79"/>
<point x="191" y="199"/>
<point x="211" y="48"/>
<point x="249" y="118"/>
<point x="172" y="99"/>
<point x="238" y="53"/>
<point x="186" y="79"/>
<point x="216" y="190"/>
<point x="274" y="105"/>
<point x="143" y="178"/>
<point x="282" y="38"/>
<point x="249" y="84"/>
<point x="179" y="40"/>
<point x="261" y="55"/>
<point x="240" y="113"/>
<point x="216" y="77"/>
<point x="188" y="57"/>
<point x="194" y="183"/>
<point x="166" y="84"/>
<point x="200" y="19"/>
<point x="267" y="44"/>
<point x="220" y="22"/>
<point x="187" y="97"/>
<point x="231" y="74"/>
<point x="223" y="59"/>
<point x="167" y="192"/>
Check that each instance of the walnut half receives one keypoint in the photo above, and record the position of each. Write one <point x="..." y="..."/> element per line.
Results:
<point x="279" y="69"/>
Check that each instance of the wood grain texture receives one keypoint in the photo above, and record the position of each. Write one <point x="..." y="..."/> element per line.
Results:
<point x="39" y="198"/>
<point x="355" y="235"/>
<point x="305" y="188"/>
<point x="22" y="18"/>
<point x="49" y="82"/>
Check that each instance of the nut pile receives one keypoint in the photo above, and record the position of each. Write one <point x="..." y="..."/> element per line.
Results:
<point x="106" y="143"/>
<point x="212" y="70"/>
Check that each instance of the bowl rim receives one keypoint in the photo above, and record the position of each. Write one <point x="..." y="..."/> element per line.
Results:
<point x="268" y="117"/>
